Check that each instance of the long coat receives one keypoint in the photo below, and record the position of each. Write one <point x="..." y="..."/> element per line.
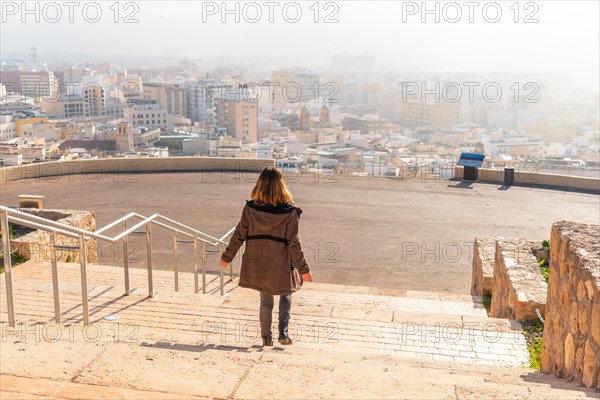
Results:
<point x="273" y="259"/>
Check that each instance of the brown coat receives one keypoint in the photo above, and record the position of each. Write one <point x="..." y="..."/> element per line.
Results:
<point x="273" y="259"/>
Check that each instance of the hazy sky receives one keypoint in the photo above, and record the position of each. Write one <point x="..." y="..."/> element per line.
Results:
<point x="564" y="40"/>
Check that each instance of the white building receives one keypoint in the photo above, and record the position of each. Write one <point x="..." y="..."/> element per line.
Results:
<point x="42" y="130"/>
<point x="8" y="128"/>
<point x="114" y="107"/>
<point x="196" y="145"/>
<point x="68" y="106"/>
<point x="10" y="159"/>
<point x="37" y="84"/>
<point x="74" y="74"/>
<point x="146" y="114"/>
<point x="202" y="99"/>
<point x="264" y="151"/>
<point x="512" y="143"/>
<point x="295" y="147"/>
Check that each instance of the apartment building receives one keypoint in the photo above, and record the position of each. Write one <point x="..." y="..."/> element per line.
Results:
<point x="34" y="84"/>
<point x="147" y="114"/>
<point x="171" y="97"/>
<point x="238" y="118"/>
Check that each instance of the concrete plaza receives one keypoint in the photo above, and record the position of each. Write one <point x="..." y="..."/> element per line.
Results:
<point x="378" y="232"/>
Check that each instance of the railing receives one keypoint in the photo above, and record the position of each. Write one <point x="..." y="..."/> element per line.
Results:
<point x="194" y="237"/>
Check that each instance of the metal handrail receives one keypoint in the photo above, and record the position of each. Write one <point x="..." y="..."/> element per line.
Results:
<point x="30" y="224"/>
<point x="8" y="214"/>
<point x="186" y="229"/>
<point x="97" y="235"/>
<point x="53" y="224"/>
<point x="116" y="222"/>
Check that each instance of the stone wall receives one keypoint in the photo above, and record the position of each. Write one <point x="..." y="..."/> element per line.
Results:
<point x="36" y="245"/>
<point x="571" y="343"/>
<point x="519" y="286"/>
<point x="483" y="266"/>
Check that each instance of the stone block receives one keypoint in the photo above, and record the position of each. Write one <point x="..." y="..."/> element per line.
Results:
<point x="519" y="287"/>
<point x="483" y="266"/>
<point x="36" y="245"/>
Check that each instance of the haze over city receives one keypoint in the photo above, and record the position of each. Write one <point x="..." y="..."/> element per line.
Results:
<point x="555" y="37"/>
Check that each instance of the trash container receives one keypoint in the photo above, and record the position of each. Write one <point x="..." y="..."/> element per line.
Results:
<point x="470" y="174"/>
<point x="509" y="175"/>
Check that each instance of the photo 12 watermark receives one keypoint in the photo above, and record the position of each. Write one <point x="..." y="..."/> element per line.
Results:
<point x="249" y="332"/>
<point x="452" y="12"/>
<point x="471" y="92"/>
<point x="90" y="171"/>
<point x="53" y="12"/>
<point x="252" y="12"/>
<point x="32" y="332"/>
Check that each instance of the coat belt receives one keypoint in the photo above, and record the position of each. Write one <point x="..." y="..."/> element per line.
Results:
<point x="268" y="237"/>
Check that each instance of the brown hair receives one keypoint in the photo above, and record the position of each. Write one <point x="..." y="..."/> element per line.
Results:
<point x="270" y="188"/>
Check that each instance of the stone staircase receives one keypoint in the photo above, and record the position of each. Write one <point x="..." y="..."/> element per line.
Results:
<point x="349" y="342"/>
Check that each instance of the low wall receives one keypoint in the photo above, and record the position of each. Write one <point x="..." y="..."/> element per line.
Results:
<point x="533" y="178"/>
<point x="571" y="343"/>
<point x="482" y="277"/>
<point x="519" y="287"/>
<point x="36" y="245"/>
<point x="125" y="167"/>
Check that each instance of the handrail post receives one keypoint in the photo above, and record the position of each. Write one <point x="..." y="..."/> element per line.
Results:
<point x="126" y="259"/>
<point x="54" y="277"/>
<point x="221" y="276"/>
<point x="203" y="268"/>
<point x="84" y="291"/>
<point x="176" y="267"/>
<point x="149" y="257"/>
<point x="195" y="264"/>
<point x="8" y="269"/>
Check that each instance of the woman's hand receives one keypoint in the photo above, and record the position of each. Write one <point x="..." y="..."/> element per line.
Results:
<point x="307" y="277"/>
<point x="224" y="264"/>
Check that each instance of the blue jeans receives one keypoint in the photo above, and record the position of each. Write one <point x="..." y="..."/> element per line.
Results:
<point x="267" y="301"/>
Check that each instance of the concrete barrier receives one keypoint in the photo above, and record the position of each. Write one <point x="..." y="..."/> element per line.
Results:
<point x="530" y="177"/>
<point x="131" y="166"/>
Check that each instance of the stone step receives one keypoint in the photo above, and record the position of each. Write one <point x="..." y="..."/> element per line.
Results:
<point x="38" y="274"/>
<point x="181" y="344"/>
<point x="314" y="299"/>
<point x="186" y="369"/>
<point x="424" y="327"/>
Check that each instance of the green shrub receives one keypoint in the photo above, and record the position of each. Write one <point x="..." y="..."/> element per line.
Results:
<point x="544" y="270"/>
<point x="16" y="259"/>
<point x="534" y="332"/>
<point x="535" y="353"/>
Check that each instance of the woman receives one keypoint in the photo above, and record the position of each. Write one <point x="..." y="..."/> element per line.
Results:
<point x="273" y="262"/>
